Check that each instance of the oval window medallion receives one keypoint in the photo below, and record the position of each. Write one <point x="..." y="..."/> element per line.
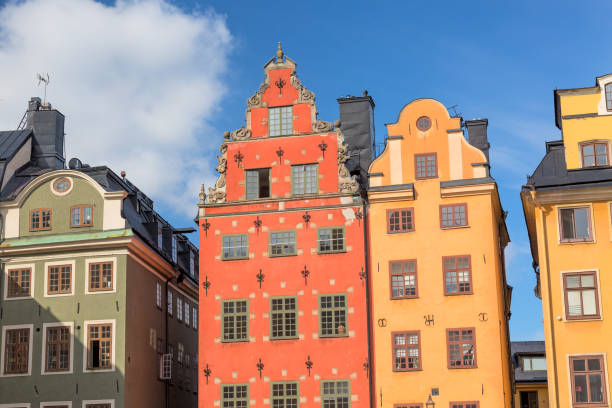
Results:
<point x="62" y="186"/>
<point x="423" y="123"/>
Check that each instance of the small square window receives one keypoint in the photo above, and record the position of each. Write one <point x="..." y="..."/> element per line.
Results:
<point x="235" y="247"/>
<point x="454" y="215"/>
<point x="594" y="154"/>
<point x="282" y="243"/>
<point x="19" y="283"/>
<point x="331" y="240"/>
<point x="461" y="345"/>
<point x="403" y="279"/>
<point x="400" y="220"/>
<point x="588" y="380"/>
<point x="257" y="183"/>
<point x="457" y="275"/>
<point x="426" y="165"/>
<point x="81" y="216"/>
<point x="575" y="224"/>
<point x="40" y="219"/>
<point x="59" y="279"/>
<point x="406" y="348"/>
<point x="100" y="276"/>
<point x="305" y="179"/>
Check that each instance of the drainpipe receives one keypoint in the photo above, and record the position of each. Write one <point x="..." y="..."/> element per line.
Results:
<point x="368" y="302"/>
<point x="555" y="373"/>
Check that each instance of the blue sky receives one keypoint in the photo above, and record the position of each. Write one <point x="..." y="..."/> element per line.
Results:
<point x="492" y="60"/>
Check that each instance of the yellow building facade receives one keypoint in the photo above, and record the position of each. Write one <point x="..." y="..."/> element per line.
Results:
<point x="439" y="298"/>
<point x="567" y="204"/>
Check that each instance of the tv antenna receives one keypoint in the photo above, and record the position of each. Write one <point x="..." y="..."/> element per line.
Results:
<point x="455" y="113"/>
<point x="44" y="78"/>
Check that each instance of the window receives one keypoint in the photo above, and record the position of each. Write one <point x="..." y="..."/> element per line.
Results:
<point x="235" y="246"/>
<point x="305" y="179"/>
<point x="423" y="123"/>
<point x="281" y="120"/>
<point x="575" y="224"/>
<point x="534" y="363"/>
<point x="158" y="295"/>
<point x="235" y="320"/>
<point x="400" y="220"/>
<point x="179" y="308"/>
<point x="409" y="405"/>
<point x="234" y="395"/>
<point x="169" y="302"/>
<point x="40" y="219"/>
<point x="406" y="351"/>
<point x="99" y="346"/>
<point x="160" y="236"/>
<point x="403" y="279"/>
<point x="335" y="394"/>
<point x="461" y="348"/>
<point x="454" y="215"/>
<point x="594" y="154"/>
<point x="81" y="216"/>
<point x="59" y="279"/>
<point x="608" y="90"/>
<point x="100" y="276"/>
<point x="426" y="165"/>
<point x="468" y="404"/>
<point x="285" y="395"/>
<point x="457" y="275"/>
<point x="174" y="248"/>
<point x="191" y="263"/>
<point x="283" y="317"/>
<point x="180" y="352"/>
<point x="257" y="183"/>
<point x="106" y="405"/>
<point x="19" y="282"/>
<point x="588" y="380"/>
<point x="581" y="298"/>
<point x="195" y="318"/>
<point x="187" y="313"/>
<point x="332" y="316"/>
<point x="17" y="351"/>
<point x="528" y="399"/>
<point x="282" y="243"/>
<point x="331" y="240"/>
<point x="57" y="349"/>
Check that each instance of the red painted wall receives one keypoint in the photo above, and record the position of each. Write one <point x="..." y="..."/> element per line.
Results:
<point x="284" y="360"/>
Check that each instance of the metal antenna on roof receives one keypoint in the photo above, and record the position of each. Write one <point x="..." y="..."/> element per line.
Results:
<point x="454" y="108"/>
<point x="44" y="78"/>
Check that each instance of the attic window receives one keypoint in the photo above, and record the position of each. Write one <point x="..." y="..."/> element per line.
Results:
<point x="608" y="89"/>
<point x="191" y="264"/>
<point x="160" y="236"/>
<point x="534" y="363"/>
<point x="281" y="121"/>
<point x="257" y="183"/>
<point x="174" y="248"/>
<point x="423" y="123"/>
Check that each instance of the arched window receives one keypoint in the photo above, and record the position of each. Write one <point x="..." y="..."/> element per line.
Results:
<point x="608" y="89"/>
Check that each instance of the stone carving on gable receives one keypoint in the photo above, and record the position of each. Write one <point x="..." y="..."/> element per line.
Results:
<point x="322" y="126"/>
<point x="241" y="134"/>
<point x="346" y="182"/>
<point x="216" y="194"/>
<point x="305" y="96"/>
<point x="255" y="101"/>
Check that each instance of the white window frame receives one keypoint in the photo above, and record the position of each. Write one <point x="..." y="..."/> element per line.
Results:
<point x="562" y="277"/>
<point x="110" y="401"/>
<point x="32" y="280"/>
<point x="51" y="404"/>
<point x="85" y="343"/>
<point x="46" y="272"/>
<point x="3" y="345"/>
<point x="158" y="294"/>
<point x="43" y="354"/>
<point x="89" y="261"/>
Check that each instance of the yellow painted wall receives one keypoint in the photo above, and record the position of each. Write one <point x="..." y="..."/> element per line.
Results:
<point x="541" y="389"/>
<point x="489" y="383"/>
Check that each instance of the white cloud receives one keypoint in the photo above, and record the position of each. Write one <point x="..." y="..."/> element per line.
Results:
<point x="138" y="83"/>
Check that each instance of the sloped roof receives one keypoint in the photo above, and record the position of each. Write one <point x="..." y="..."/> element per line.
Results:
<point x="552" y="173"/>
<point x="527" y="348"/>
<point x="11" y="141"/>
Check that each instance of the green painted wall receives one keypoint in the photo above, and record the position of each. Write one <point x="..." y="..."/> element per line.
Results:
<point x="42" y="197"/>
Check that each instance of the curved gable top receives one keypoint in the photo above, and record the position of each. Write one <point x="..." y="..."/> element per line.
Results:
<point x="441" y="139"/>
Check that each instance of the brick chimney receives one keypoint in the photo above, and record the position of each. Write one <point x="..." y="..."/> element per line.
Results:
<point x="48" y="140"/>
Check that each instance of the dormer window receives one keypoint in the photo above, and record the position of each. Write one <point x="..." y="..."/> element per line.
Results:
<point x="281" y="121"/>
<point x="174" y="248"/>
<point x="594" y="154"/>
<point x="40" y="219"/>
<point x="191" y="264"/>
<point x="257" y="183"/>
<point x="160" y="236"/>
<point x="81" y="216"/>
<point x="608" y="91"/>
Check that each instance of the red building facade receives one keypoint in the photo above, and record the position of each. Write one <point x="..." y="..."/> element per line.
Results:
<point x="283" y="311"/>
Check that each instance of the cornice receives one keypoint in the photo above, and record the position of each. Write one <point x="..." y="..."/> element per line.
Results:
<point x="467" y="190"/>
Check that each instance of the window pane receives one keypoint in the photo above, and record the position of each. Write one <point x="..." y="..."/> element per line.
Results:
<point x="76" y="216"/>
<point x="582" y="222"/>
<point x="588" y="302"/>
<point x="573" y="303"/>
<point x="572" y="281"/>
<point x="539" y="363"/>
<point x="579" y="365"/>
<point x="580" y="387"/>
<point x="588" y="281"/>
<point x="567" y="223"/>
<point x="252" y="184"/>
<point x="595" y="385"/>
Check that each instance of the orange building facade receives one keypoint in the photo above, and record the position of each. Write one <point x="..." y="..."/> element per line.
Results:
<point x="440" y="302"/>
<point x="283" y="311"/>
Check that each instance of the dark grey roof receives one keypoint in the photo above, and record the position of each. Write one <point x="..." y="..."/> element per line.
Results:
<point x="552" y="173"/>
<point x="11" y="141"/>
<point x="527" y="348"/>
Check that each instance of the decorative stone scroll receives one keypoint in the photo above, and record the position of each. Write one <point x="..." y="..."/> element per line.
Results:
<point x="346" y="182"/>
<point x="305" y="96"/>
<point x="216" y="194"/>
<point x="322" y="126"/>
<point x="255" y="101"/>
<point x="240" y="134"/>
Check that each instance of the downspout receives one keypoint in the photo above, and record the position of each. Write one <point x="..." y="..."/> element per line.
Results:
<point x="550" y="310"/>
<point x="368" y="301"/>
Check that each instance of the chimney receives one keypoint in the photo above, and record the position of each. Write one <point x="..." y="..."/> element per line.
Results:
<point x="48" y="141"/>
<point x="477" y="135"/>
<point x="357" y="124"/>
